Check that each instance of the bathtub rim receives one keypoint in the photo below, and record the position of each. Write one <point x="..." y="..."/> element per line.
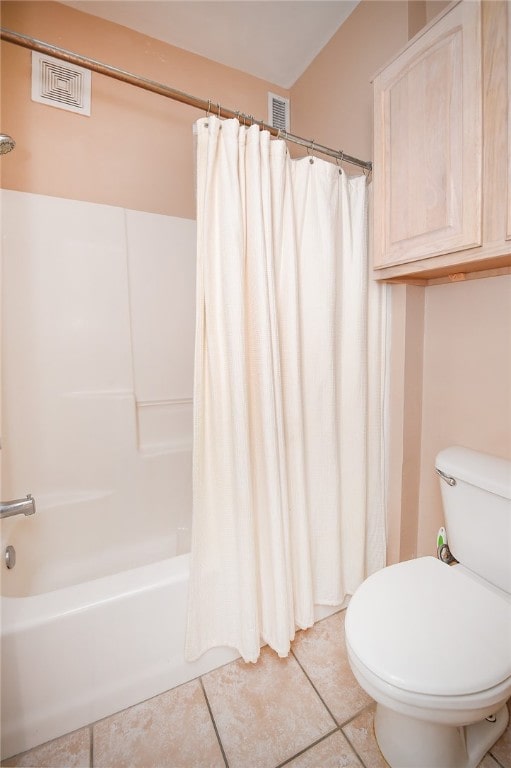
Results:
<point x="43" y="703"/>
<point x="24" y="612"/>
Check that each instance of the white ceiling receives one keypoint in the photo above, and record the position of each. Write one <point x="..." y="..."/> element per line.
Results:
<point x="272" y="39"/>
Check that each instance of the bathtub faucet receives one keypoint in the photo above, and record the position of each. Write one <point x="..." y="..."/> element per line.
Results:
<point x="18" y="507"/>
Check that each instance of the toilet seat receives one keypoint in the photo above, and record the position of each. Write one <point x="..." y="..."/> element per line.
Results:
<point x="425" y="628"/>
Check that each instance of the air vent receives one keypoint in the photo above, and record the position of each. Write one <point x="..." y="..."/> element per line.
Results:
<point x="59" y="84"/>
<point x="278" y="111"/>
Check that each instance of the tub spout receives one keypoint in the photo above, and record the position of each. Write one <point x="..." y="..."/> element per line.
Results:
<point x="18" y="507"/>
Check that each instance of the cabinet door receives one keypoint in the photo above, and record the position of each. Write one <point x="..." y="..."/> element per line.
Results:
<point x="428" y="143"/>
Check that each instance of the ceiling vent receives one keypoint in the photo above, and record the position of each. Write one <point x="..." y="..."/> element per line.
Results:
<point x="59" y="84"/>
<point x="278" y="111"/>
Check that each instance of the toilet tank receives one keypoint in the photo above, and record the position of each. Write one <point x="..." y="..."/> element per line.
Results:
<point x="477" y="509"/>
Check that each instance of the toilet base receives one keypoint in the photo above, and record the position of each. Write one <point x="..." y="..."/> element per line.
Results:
<point x="409" y="743"/>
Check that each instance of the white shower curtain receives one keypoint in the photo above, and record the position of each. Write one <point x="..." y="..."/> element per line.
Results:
<point x="288" y="507"/>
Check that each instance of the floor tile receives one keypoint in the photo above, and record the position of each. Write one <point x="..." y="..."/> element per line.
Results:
<point x="332" y="752"/>
<point x="360" y="734"/>
<point x="502" y="749"/>
<point x="266" y="712"/>
<point x="173" y="730"/>
<point x="70" y="751"/>
<point x="488" y="762"/>
<point x="321" y="651"/>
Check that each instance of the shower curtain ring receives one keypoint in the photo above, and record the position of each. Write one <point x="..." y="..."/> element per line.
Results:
<point x="218" y="105"/>
<point x="209" y="108"/>
<point x="339" y="161"/>
<point x="311" y="154"/>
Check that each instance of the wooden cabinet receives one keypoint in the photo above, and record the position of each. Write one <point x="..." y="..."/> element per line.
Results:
<point x="441" y="155"/>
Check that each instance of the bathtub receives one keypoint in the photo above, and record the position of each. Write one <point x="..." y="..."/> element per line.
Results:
<point x="73" y="655"/>
<point x="97" y="425"/>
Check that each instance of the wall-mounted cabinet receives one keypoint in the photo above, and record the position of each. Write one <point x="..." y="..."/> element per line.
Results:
<point x="442" y="167"/>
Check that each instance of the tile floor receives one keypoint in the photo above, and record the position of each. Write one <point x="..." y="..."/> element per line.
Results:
<point x="306" y="711"/>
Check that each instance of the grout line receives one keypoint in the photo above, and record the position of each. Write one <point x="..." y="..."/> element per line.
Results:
<point x="120" y="712"/>
<point x="306" y="749"/>
<point x="87" y="726"/>
<point x="131" y="344"/>
<point x="91" y="747"/>
<point x="373" y="735"/>
<point x="501" y="765"/>
<point x="314" y="687"/>
<point x="214" y="723"/>
<point x="362" y="762"/>
<point x="340" y="726"/>
<point x="150" y="698"/>
<point x="362" y="709"/>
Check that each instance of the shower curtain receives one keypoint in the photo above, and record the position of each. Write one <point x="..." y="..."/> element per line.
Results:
<point x="288" y="491"/>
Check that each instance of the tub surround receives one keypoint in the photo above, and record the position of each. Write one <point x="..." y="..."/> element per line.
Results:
<point x="98" y="327"/>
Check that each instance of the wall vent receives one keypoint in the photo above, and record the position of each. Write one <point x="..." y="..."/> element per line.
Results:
<point x="278" y="111"/>
<point x="59" y="84"/>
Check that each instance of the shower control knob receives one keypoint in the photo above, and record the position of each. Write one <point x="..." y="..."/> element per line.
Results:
<point x="10" y="556"/>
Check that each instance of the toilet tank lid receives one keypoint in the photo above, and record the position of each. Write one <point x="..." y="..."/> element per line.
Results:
<point x="489" y="473"/>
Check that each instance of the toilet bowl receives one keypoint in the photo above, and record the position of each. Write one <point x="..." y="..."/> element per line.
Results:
<point x="420" y="642"/>
<point x="431" y="643"/>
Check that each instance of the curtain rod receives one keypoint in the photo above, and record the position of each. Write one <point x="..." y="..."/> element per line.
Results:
<point x="171" y="93"/>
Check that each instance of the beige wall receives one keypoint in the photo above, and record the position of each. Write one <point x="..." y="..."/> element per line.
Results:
<point x="405" y="420"/>
<point x="450" y="384"/>
<point x="332" y="101"/>
<point x="136" y="149"/>
<point x="450" y="378"/>
<point x="466" y="393"/>
<point x="421" y="12"/>
<point x="433" y="8"/>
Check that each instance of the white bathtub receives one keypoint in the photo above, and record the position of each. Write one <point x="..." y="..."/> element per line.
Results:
<point x="77" y="654"/>
<point x="97" y="425"/>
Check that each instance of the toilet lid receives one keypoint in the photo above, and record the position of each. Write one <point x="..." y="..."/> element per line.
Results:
<point x="426" y="627"/>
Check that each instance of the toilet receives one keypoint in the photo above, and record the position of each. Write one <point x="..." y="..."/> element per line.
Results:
<point x="431" y="642"/>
